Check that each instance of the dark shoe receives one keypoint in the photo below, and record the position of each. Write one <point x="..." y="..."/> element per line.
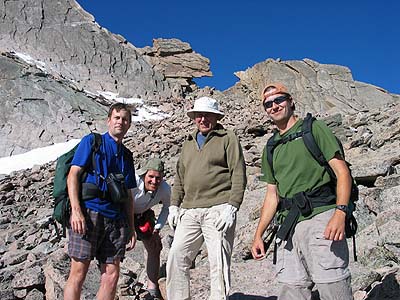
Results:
<point x="154" y="294"/>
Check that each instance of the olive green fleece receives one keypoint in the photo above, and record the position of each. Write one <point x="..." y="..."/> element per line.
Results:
<point x="213" y="175"/>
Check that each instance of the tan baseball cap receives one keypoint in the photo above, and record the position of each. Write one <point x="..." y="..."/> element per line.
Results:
<point x="279" y="88"/>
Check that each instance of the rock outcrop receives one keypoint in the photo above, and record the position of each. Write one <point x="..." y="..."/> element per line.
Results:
<point x="38" y="110"/>
<point x="56" y="62"/>
<point x="320" y="88"/>
<point x="178" y="62"/>
<point x="67" y="42"/>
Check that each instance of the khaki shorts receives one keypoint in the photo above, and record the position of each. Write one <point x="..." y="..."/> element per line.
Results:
<point x="104" y="239"/>
<point x="313" y="258"/>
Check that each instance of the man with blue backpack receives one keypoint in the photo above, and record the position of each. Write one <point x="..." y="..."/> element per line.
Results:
<point x="311" y="207"/>
<point x="101" y="225"/>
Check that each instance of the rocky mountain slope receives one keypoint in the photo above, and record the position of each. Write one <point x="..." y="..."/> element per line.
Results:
<point x="57" y="63"/>
<point x="50" y="104"/>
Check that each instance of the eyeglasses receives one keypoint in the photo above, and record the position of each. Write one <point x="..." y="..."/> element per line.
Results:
<point x="277" y="101"/>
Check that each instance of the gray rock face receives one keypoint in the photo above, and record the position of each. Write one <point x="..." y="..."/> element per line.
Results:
<point x="68" y="41"/>
<point x="63" y="43"/>
<point x="319" y="88"/>
<point x="38" y="110"/>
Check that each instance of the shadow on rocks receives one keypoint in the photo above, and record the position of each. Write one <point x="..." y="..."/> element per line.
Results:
<point x="241" y="296"/>
<point x="388" y="289"/>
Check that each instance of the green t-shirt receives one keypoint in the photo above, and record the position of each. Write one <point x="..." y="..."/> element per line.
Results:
<point x="295" y="169"/>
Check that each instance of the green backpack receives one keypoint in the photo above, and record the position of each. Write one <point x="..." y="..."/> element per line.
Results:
<point x="62" y="206"/>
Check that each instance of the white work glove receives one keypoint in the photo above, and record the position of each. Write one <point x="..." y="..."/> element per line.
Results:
<point x="226" y="218"/>
<point x="173" y="216"/>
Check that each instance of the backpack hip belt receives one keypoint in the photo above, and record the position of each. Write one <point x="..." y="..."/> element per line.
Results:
<point x="302" y="203"/>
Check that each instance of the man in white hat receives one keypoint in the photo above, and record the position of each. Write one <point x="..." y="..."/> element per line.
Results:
<point x="208" y="190"/>
<point x="151" y="190"/>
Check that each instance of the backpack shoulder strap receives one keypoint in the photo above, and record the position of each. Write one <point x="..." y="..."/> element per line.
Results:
<point x="96" y="143"/>
<point x="270" y="147"/>
<point x="97" y="140"/>
<point x="312" y="146"/>
<point x="128" y="155"/>
<point x="273" y="143"/>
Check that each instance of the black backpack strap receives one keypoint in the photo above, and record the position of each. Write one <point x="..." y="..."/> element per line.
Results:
<point x="270" y="147"/>
<point x="312" y="146"/>
<point x="96" y="143"/>
<point x="128" y="155"/>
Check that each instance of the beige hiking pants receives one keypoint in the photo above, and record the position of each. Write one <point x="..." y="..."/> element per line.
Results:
<point x="195" y="227"/>
<point x="314" y="259"/>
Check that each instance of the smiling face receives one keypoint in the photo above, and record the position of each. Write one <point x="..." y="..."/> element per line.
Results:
<point x="118" y="124"/>
<point x="279" y="111"/>
<point x="205" y="121"/>
<point x="152" y="180"/>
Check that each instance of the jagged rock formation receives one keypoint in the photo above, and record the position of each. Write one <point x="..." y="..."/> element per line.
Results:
<point x="68" y="42"/>
<point x="177" y="61"/>
<point x="66" y="39"/>
<point x="321" y="88"/>
<point x="63" y="43"/>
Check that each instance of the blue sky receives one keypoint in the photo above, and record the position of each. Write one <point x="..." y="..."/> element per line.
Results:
<point x="235" y="35"/>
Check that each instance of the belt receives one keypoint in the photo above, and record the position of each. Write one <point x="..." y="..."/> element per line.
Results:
<point x="302" y="203"/>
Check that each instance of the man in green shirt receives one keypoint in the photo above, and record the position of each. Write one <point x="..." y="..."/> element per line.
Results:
<point x="315" y="251"/>
<point x="208" y="190"/>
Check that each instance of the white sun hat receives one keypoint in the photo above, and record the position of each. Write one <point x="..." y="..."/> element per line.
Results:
<point x="205" y="104"/>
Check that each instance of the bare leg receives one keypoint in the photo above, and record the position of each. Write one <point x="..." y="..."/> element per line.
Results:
<point x="109" y="280"/>
<point x="77" y="275"/>
<point x="153" y="248"/>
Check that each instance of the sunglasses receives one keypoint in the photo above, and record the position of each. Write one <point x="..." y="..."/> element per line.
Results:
<point x="277" y="101"/>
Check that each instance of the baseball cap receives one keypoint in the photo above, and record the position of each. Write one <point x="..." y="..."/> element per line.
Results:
<point x="155" y="164"/>
<point x="279" y="88"/>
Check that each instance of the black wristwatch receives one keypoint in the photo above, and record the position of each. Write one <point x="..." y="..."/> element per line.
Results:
<point x="343" y="208"/>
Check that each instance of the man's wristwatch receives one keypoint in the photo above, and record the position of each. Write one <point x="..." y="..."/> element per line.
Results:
<point x="343" y="208"/>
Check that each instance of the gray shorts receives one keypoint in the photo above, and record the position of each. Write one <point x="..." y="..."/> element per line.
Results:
<point x="313" y="258"/>
<point x="105" y="239"/>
